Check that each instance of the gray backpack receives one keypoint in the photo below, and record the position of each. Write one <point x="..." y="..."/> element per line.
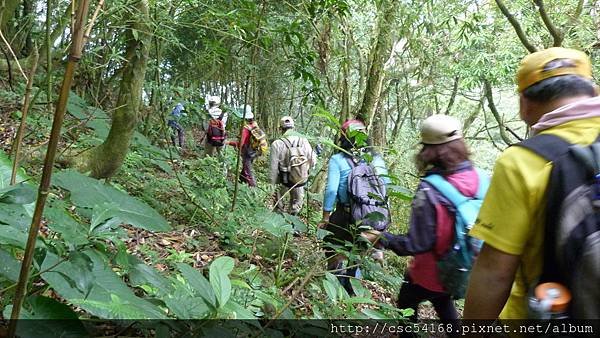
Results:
<point x="297" y="165"/>
<point x="572" y="229"/>
<point x="368" y="196"/>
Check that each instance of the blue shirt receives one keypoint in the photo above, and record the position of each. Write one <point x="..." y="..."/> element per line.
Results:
<point x="176" y="113"/>
<point x="337" y="179"/>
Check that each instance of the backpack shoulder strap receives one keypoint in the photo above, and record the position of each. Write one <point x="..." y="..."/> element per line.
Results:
<point x="547" y="146"/>
<point x="484" y="184"/>
<point x="220" y="118"/>
<point x="350" y="161"/>
<point x="446" y="189"/>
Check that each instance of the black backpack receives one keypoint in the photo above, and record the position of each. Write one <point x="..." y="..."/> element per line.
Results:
<point x="572" y="228"/>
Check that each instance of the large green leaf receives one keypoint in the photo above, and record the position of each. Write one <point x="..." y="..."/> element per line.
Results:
<point x="142" y="274"/>
<point x="184" y="305"/>
<point x="18" y="194"/>
<point x="109" y="297"/>
<point x="219" y="278"/>
<point x="10" y="267"/>
<point x="48" y="318"/>
<point x="109" y="202"/>
<point x="17" y="208"/>
<point x="73" y="232"/>
<point x="6" y="171"/>
<point x="273" y="223"/>
<point x="199" y="284"/>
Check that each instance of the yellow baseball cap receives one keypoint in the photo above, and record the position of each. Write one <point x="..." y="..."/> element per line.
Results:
<point x="534" y="67"/>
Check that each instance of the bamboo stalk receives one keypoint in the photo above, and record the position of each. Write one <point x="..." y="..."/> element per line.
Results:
<point x="74" y="56"/>
<point x="16" y="146"/>
<point x="48" y="57"/>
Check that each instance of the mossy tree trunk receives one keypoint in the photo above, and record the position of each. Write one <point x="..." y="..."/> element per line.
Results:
<point x="380" y="53"/>
<point x="106" y="159"/>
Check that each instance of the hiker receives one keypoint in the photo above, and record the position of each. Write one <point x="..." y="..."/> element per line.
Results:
<point x="253" y="144"/>
<point x="292" y="157"/>
<point x="523" y="216"/>
<point x="215" y="131"/>
<point x="341" y="222"/>
<point x="176" y="114"/>
<point x="443" y="160"/>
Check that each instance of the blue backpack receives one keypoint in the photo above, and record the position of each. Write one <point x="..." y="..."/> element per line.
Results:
<point x="455" y="265"/>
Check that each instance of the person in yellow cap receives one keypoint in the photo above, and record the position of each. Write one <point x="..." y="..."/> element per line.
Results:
<point x="558" y="101"/>
<point x="292" y="157"/>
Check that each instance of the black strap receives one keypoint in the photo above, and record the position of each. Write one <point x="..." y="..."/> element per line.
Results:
<point x="547" y="146"/>
<point x="220" y="118"/>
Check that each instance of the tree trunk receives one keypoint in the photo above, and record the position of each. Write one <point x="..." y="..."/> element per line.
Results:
<point x="106" y="159"/>
<point x="7" y="13"/>
<point x="379" y="55"/>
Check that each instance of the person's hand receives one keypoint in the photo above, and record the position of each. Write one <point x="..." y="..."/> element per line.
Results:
<point x="372" y="236"/>
<point x="322" y="224"/>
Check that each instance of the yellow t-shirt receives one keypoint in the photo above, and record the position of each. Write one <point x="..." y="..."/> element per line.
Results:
<point x="512" y="216"/>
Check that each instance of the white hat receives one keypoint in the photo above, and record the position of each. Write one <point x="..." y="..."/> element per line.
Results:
<point x="215" y="112"/>
<point x="247" y="114"/>
<point x="215" y="100"/>
<point x="286" y="122"/>
<point x="439" y="129"/>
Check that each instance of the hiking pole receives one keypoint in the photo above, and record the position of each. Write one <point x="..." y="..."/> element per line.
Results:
<point x="74" y="57"/>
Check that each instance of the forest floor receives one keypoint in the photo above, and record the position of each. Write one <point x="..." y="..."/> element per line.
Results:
<point x="200" y="235"/>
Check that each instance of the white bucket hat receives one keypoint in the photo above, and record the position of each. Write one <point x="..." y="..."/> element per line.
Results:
<point x="439" y="129"/>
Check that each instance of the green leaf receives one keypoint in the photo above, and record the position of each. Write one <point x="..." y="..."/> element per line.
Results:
<point x="144" y="274"/>
<point x="373" y="314"/>
<point x="6" y="171"/>
<point x="90" y="193"/>
<point x="109" y="297"/>
<point x="10" y="267"/>
<point x="199" y="284"/>
<point x="239" y="312"/>
<point x="50" y="318"/>
<point x="73" y="233"/>
<point x="219" y="278"/>
<point x="18" y="194"/>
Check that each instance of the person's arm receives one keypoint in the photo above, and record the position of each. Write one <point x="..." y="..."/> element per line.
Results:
<point x="422" y="229"/>
<point x="490" y="283"/>
<point x="330" y="195"/>
<point x="275" y="154"/>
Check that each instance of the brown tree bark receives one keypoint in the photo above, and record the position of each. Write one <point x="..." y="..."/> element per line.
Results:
<point x="380" y="53"/>
<point x="106" y="159"/>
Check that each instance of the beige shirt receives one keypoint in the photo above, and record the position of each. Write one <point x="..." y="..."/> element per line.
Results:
<point x="279" y="151"/>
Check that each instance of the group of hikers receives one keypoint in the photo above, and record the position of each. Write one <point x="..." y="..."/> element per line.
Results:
<point x="523" y="244"/>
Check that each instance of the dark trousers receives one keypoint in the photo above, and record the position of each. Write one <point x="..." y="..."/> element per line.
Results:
<point x="411" y="295"/>
<point x="341" y="226"/>
<point x="177" y="129"/>
<point x="246" y="175"/>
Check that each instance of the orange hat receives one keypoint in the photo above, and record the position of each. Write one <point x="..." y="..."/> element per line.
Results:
<point x="534" y="67"/>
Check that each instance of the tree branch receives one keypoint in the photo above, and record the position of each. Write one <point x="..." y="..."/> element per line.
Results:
<point x="490" y="99"/>
<point x="453" y="96"/>
<point x="516" y="26"/>
<point x="556" y="33"/>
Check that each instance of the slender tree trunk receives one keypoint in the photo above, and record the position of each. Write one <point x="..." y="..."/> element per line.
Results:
<point x="106" y="159"/>
<point x="380" y="54"/>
